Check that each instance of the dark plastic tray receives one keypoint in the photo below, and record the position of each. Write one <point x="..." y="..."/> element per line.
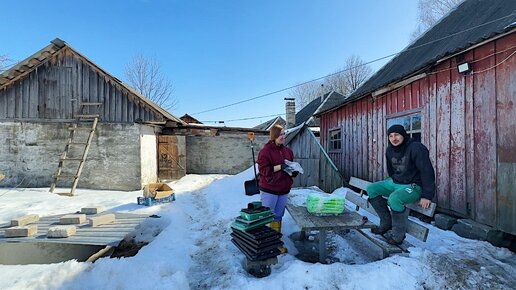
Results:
<point x="256" y="257"/>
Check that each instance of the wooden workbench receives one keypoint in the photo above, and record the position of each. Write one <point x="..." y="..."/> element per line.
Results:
<point x="308" y="222"/>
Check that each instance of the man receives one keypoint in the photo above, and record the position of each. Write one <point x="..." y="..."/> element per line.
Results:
<point x="411" y="178"/>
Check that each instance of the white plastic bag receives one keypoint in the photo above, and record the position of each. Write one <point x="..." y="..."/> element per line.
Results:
<point x="293" y="166"/>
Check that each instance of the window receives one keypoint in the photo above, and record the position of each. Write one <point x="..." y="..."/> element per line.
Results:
<point x="411" y="123"/>
<point x="335" y="140"/>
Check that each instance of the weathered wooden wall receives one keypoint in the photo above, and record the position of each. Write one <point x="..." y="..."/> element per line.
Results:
<point x="318" y="168"/>
<point x="468" y="125"/>
<point x="53" y="92"/>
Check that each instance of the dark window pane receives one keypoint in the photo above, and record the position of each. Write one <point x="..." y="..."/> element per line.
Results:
<point x="416" y="137"/>
<point x="416" y="122"/>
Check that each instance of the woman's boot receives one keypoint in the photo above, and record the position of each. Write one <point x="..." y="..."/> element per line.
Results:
<point x="380" y="206"/>
<point x="276" y="225"/>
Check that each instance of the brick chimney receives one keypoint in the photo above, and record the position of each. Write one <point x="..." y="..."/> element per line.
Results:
<point x="290" y="110"/>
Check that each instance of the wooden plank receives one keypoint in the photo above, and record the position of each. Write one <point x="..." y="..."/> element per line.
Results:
<point x="443" y="137"/>
<point x="414" y="229"/>
<point x="387" y="249"/>
<point x="383" y="138"/>
<point x="484" y="94"/>
<point x="457" y="144"/>
<point x="365" y="140"/>
<point x="506" y="137"/>
<point x="374" y="141"/>
<point x="469" y="142"/>
<point x="347" y="220"/>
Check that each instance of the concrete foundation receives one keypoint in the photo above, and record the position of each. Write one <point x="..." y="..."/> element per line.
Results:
<point x="444" y="222"/>
<point x="121" y="156"/>
<point x="472" y="230"/>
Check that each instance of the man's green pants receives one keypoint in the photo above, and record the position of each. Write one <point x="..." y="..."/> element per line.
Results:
<point x="398" y="194"/>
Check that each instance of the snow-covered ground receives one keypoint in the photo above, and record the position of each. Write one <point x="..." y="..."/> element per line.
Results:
<point x="193" y="249"/>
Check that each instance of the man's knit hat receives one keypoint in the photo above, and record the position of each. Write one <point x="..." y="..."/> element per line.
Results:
<point x="275" y="132"/>
<point x="397" y="129"/>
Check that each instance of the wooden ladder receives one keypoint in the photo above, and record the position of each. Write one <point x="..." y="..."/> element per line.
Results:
<point x="84" y="117"/>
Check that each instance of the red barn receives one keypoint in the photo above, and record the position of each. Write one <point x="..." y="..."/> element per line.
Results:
<point x="454" y="89"/>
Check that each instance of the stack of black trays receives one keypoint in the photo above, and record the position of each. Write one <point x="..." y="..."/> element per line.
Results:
<point x="252" y="236"/>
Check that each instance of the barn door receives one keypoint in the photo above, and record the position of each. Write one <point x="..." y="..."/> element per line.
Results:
<point x="171" y="157"/>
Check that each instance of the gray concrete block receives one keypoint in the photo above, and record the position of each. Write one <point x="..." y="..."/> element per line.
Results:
<point x="25" y="220"/>
<point x="61" y="231"/>
<point x="101" y="219"/>
<point x="92" y="210"/>
<point x="444" y="221"/>
<point x="473" y="230"/>
<point x="72" y="219"/>
<point x="21" y="231"/>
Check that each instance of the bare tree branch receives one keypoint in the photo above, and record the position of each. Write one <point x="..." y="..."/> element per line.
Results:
<point x="305" y="93"/>
<point x="4" y="62"/>
<point x="344" y="81"/>
<point x="431" y="11"/>
<point x="146" y="77"/>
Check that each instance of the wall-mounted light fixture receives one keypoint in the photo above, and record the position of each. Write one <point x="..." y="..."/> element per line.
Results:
<point x="464" y="68"/>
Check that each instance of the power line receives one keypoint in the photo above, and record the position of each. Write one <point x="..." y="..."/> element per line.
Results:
<point x="243" y="119"/>
<point x="363" y="64"/>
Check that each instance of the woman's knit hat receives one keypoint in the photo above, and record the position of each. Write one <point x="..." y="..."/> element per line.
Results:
<point x="275" y="132"/>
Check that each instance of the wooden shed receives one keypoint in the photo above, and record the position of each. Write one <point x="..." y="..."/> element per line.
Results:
<point x="319" y="169"/>
<point x="454" y="89"/>
<point x="40" y="97"/>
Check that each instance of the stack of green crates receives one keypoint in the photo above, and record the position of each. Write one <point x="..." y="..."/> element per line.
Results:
<point x="324" y="204"/>
<point x="252" y="217"/>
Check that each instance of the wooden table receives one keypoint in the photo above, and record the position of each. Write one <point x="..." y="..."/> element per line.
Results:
<point x="308" y="222"/>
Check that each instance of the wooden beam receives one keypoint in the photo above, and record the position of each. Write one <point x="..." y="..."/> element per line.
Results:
<point x="398" y="85"/>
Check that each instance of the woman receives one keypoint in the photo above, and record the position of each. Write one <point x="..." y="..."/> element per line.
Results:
<point x="274" y="182"/>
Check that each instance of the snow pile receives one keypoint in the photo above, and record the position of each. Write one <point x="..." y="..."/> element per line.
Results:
<point x="190" y="248"/>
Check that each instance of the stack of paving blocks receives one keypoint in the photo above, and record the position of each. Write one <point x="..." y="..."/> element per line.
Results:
<point x="255" y="239"/>
<point x="22" y="227"/>
<point x="25" y="226"/>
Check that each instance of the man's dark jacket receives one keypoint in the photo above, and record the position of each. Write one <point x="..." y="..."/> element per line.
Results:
<point x="410" y="163"/>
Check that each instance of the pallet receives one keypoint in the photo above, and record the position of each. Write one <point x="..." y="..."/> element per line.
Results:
<point x="149" y="201"/>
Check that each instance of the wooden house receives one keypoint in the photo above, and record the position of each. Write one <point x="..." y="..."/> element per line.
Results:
<point x="454" y="89"/>
<point x="40" y="97"/>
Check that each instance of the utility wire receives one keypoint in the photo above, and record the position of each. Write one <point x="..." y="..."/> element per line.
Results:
<point x="363" y="64"/>
<point x="243" y="119"/>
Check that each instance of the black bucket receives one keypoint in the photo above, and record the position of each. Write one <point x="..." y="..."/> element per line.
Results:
<point x="251" y="187"/>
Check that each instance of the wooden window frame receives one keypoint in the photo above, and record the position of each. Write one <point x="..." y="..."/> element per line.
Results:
<point x="410" y="131"/>
<point x="331" y="141"/>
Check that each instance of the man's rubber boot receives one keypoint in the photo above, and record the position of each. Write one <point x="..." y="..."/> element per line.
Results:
<point x="276" y="225"/>
<point x="399" y="227"/>
<point x="380" y="206"/>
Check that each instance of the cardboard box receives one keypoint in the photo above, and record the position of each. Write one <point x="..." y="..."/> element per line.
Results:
<point x="157" y="190"/>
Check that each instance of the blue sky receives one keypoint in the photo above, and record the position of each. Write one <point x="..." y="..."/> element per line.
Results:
<point x="216" y="52"/>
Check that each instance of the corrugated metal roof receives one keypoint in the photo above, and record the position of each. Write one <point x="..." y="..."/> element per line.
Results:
<point x="104" y="235"/>
<point x="268" y="124"/>
<point x="472" y="22"/>
<point x="29" y="64"/>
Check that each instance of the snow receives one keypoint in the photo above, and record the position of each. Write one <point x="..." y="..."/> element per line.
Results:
<point x="190" y="248"/>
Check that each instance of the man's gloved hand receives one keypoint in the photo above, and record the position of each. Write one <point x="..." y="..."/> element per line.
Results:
<point x="295" y="173"/>
<point x="284" y="166"/>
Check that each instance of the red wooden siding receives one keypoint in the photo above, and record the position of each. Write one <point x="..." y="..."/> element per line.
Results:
<point x="468" y="125"/>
